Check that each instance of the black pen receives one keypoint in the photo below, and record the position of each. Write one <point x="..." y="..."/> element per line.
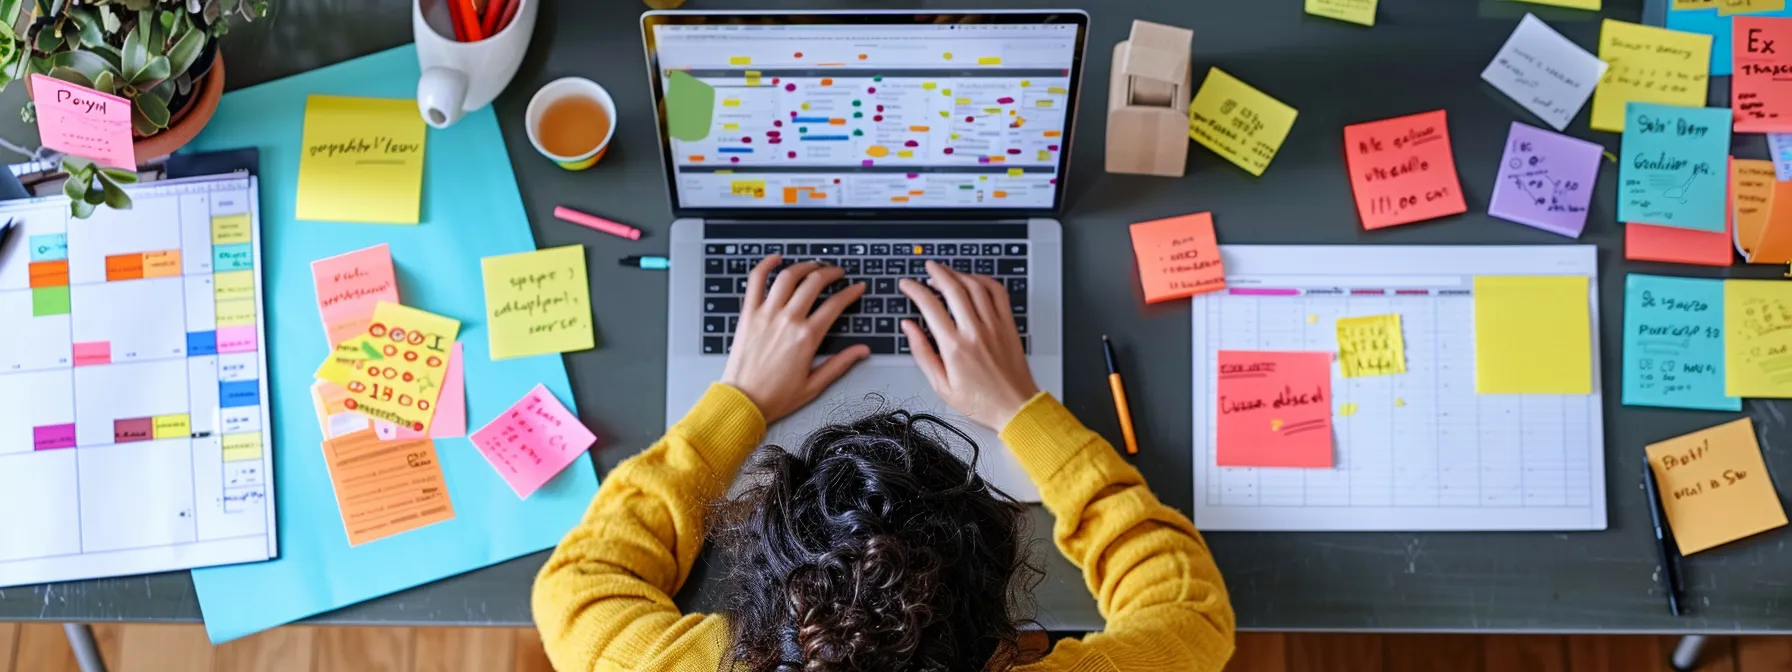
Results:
<point x="5" y="234"/>
<point x="1664" y="541"/>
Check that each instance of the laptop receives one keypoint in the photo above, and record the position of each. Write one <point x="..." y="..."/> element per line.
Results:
<point x="873" y="141"/>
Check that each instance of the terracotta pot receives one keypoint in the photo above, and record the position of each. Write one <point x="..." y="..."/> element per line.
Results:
<point x="189" y="120"/>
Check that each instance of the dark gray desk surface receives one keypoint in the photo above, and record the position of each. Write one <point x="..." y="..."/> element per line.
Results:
<point x="1422" y="55"/>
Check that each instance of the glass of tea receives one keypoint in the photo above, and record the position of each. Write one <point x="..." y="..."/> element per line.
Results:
<point x="570" y="121"/>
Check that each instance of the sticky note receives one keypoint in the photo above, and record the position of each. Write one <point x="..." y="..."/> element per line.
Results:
<point x="1545" y="180"/>
<point x="1544" y="72"/>
<point x="1751" y="200"/>
<point x="1761" y="83"/>
<point x="1758" y="338"/>
<point x="1779" y="150"/>
<point x="1178" y="257"/>
<point x="1647" y="242"/>
<point x="1238" y="122"/>
<point x="1731" y="7"/>
<point x="1673" y="168"/>
<point x="329" y="401"/>
<point x="349" y="286"/>
<point x="81" y="121"/>
<point x="1674" y="343"/>
<point x="361" y="160"/>
<point x="1571" y="4"/>
<point x="1402" y="171"/>
<point x="1371" y="346"/>
<point x="1714" y="486"/>
<point x="1275" y="409"/>
<point x="1683" y="5"/>
<point x="451" y="407"/>
<point x="538" y="302"/>
<point x="385" y="488"/>
<point x="1649" y="65"/>
<point x="1354" y="11"/>
<point x="690" y="105"/>
<point x="1774" y="243"/>
<point x="401" y="386"/>
<point x="533" y="441"/>
<point x="1532" y="335"/>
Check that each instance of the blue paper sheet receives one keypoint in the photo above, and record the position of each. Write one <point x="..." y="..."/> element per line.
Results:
<point x="1674" y="343"/>
<point x="1779" y="150"/>
<point x="1673" y="168"/>
<point x="470" y="209"/>
<point x="1718" y="27"/>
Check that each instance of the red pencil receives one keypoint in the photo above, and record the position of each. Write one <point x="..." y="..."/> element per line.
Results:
<point x="460" y="29"/>
<point x="510" y="7"/>
<point x="470" y="17"/>
<point x="494" y="11"/>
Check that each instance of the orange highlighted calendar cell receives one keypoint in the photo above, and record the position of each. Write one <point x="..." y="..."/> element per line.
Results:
<point x="49" y="273"/>
<point x="124" y="267"/>
<point x="164" y="264"/>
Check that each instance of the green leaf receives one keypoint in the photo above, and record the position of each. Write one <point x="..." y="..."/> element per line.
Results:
<point x="135" y="53"/>
<point x="87" y="22"/>
<point x="10" y="10"/>
<point x="120" y="175"/>
<point x="108" y="19"/>
<point x="116" y="197"/>
<point x="213" y="10"/>
<point x="69" y="74"/>
<point x="185" y="51"/>
<point x="96" y="194"/>
<point x="112" y="57"/>
<point x="84" y="62"/>
<point x="159" y="30"/>
<point x="47" y="41"/>
<point x="153" y="73"/>
<point x="72" y="164"/>
<point x="80" y="209"/>
<point x="141" y="123"/>
<point x="74" y="188"/>
<point x="105" y="83"/>
<point x="137" y="5"/>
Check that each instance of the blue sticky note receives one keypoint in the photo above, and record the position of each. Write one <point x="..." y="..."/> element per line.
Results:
<point x="48" y="247"/>
<point x="1674" y="343"/>
<point x="470" y="209"/>
<point x="1779" y="150"/>
<point x="1673" y="171"/>
<point x="1718" y="27"/>
<point x="233" y="257"/>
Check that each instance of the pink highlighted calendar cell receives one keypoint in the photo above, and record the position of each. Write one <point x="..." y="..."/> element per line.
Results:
<point x="236" y="339"/>
<point x="93" y="354"/>
<point x="133" y="429"/>
<point x="37" y="411"/>
<point x="52" y="437"/>
<point x="141" y="319"/>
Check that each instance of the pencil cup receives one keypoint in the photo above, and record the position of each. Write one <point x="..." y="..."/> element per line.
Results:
<point x="571" y="121"/>
<point x="459" y="77"/>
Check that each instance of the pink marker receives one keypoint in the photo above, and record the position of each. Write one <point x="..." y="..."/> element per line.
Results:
<point x="598" y="223"/>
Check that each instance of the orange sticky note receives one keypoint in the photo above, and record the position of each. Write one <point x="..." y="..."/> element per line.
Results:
<point x="1774" y="244"/>
<point x="1761" y="86"/>
<point x="1275" y="409"/>
<point x="1751" y="198"/>
<point x="1178" y="257"/>
<point x="386" y="487"/>
<point x="1402" y="170"/>
<point x="1674" y="245"/>
<point x="1714" y="486"/>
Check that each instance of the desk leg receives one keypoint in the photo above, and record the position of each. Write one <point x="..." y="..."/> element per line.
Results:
<point x="1686" y="653"/>
<point x="87" y="652"/>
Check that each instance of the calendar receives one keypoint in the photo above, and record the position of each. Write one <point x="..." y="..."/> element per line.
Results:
<point x="134" y="429"/>
<point x="1418" y="450"/>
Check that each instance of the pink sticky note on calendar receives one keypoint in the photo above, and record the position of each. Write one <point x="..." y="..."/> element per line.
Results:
<point x="533" y="441"/>
<point x="81" y="121"/>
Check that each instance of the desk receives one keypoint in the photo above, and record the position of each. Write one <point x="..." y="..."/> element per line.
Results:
<point x="1423" y="55"/>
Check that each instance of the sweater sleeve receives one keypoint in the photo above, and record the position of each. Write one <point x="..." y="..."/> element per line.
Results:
<point x="1152" y="576"/>
<point x="604" y="601"/>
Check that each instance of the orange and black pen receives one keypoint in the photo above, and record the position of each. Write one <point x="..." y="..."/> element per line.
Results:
<point x="1119" y="388"/>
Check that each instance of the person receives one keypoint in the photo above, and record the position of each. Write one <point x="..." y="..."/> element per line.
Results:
<point x="874" y="548"/>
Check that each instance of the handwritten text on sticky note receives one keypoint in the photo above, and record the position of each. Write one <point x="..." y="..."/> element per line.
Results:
<point x="1546" y="180"/>
<point x="406" y="354"/>
<point x="1354" y="11"/>
<point x="384" y="488"/>
<point x="1650" y="65"/>
<point x="1275" y="409"/>
<point x="1761" y="86"/>
<point x="77" y="120"/>
<point x="1672" y="169"/>
<point x="1715" y="486"/>
<point x="538" y="302"/>
<point x="1371" y="346"/>
<point x="1733" y="7"/>
<point x="1545" y="72"/>
<point x="1178" y="257"/>
<point x="533" y="441"/>
<point x="1238" y="122"/>
<point x="361" y="160"/>
<point x="1674" y="343"/>
<point x="349" y="286"/>
<point x="1758" y="338"/>
<point x="1402" y="170"/>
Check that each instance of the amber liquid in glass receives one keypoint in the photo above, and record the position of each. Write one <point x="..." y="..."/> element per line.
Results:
<point x="573" y="125"/>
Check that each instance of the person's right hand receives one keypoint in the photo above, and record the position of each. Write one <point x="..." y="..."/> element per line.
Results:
<point x="980" y="368"/>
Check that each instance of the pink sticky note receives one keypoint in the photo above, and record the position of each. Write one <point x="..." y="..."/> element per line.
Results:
<point x="451" y="408"/>
<point x="532" y="441"/>
<point x="1275" y="409"/>
<point x="1402" y="170"/>
<point x="1178" y="257"/>
<point x="81" y="121"/>
<point x="348" y="288"/>
<point x="1760" y="92"/>
<point x="236" y="339"/>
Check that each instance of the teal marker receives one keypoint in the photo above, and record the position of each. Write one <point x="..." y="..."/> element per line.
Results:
<point x="649" y="263"/>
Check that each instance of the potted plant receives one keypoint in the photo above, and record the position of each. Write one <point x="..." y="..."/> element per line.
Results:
<point x="162" y="55"/>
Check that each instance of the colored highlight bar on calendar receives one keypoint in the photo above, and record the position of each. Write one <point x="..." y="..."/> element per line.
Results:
<point x="230" y="229"/>
<point x="1252" y="291"/>
<point x="93" y="353"/>
<point x="48" y="247"/>
<point x="49" y="273"/>
<point x="47" y="301"/>
<point x="202" y="343"/>
<point x="162" y="264"/>
<point x="238" y="393"/>
<point x="238" y="257"/>
<point x="240" y="447"/>
<point x="236" y="339"/>
<point x="174" y="426"/>
<point x="53" y="437"/>
<point x="235" y="313"/>
<point x="120" y="267"/>
<point x="130" y="430"/>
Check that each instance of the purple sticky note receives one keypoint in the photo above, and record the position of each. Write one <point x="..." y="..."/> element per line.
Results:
<point x="1545" y="180"/>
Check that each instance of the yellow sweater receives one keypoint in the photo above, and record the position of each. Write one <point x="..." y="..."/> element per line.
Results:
<point x="603" y="600"/>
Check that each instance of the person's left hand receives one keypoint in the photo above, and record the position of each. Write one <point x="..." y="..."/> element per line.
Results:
<point x="778" y="337"/>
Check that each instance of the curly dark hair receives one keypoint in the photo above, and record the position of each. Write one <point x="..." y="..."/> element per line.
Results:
<point x="874" y="548"/>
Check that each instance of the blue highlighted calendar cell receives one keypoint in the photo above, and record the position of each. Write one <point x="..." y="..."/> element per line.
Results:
<point x="233" y="257"/>
<point x="48" y="247"/>
<point x="202" y="343"/>
<point x="236" y="393"/>
<point x="736" y="150"/>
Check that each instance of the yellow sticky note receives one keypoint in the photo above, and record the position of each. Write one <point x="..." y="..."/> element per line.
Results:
<point x="1648" y="65"/>
<point x="171" y="426"/>
<point x="1714" y="486"/>
<point x="1757" y="338"/>
<point x="1532" y="335"/>
<point x="1571" y="4"/>
<point x="1371" y="346"/>
<point x="538" y="302"/>
<point x="1682" y="5"/>
<point x="1730" y="7"/>
<point x="361" y="160"/>
<point x="407" y="362"/>
<point x="1238" y="122"/>
<point x="1354" y="11"/>
<point x="234" y="285"/>
<point x="230" y="229"/>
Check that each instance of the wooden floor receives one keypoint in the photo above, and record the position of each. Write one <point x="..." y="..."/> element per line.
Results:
<point x="183" y="648"/>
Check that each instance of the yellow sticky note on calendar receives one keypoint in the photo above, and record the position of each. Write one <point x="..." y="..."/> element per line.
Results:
<point x="1533" y="335"/>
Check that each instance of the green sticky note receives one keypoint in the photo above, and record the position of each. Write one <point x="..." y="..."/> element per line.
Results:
<point x="46" y="301"/>
<point x="538" y="302"/>
<point x="689" y="106"/>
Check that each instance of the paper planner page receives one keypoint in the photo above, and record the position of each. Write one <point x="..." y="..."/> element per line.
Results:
<point x="133" y="416"/>
<point x="1422" y="451"/>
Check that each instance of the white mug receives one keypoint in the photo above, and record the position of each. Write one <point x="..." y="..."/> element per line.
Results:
<point x="459" y="77"/>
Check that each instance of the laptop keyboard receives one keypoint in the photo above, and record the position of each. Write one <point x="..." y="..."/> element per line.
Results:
<point x="873" y="320"/>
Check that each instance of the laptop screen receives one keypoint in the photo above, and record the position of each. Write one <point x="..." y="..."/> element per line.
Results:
<point x="866" y="112"/>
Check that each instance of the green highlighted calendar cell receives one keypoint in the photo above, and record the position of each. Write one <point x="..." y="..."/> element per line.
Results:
<point x="46" y="301"/>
